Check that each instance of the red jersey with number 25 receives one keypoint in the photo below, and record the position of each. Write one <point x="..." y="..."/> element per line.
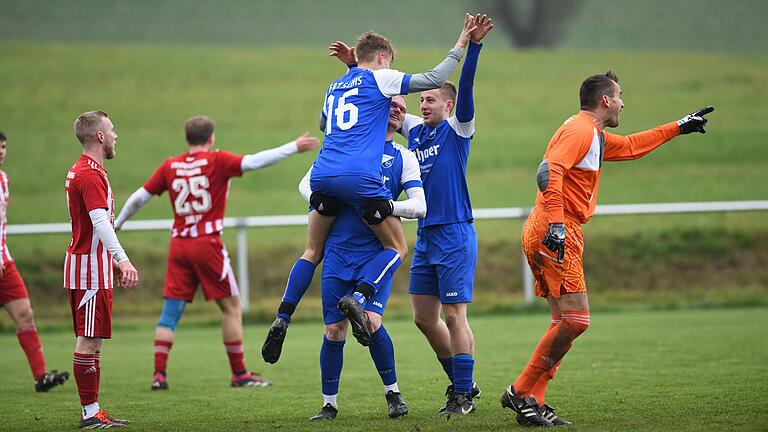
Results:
<point x="198" y="185"/>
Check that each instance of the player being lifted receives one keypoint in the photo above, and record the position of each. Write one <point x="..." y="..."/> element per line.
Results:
<point x="197" y="182"/>
<point x="88" y="267"/>
<point x="15" y="298"/>
<point x="348" y="167"/>
<point x="568" y="179"/>
<point x="445" y="254"/>
<point x="350" y="244"/>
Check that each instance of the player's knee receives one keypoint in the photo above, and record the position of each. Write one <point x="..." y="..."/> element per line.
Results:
<point x="374" y="321"/>
<point x="577" y="323"/>
<point x="335" y="332"/>
<point x="423" y="323"/>
<point x="171" y="314"/>
<point x="454" y="320"/>
<point x="326" y="205"/>
<point x="25" y="317"/>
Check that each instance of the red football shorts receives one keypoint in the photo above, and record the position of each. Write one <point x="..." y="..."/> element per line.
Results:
<point x="91" y="312"/>
<point x="199" y="261"/>
<point x="11" y="285"/>
<point x="553" y="278"/>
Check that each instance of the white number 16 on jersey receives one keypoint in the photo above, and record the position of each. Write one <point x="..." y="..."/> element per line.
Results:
<point x="341" y="111"/>
<point x="197" y="187"/>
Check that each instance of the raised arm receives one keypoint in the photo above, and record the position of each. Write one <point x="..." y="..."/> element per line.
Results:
<point x="635" y="146"/>
<point x="135" y="202"/>
<point x="439" y="74"/>
<point x="465" y="105"/>
<point x="269" y="157"/>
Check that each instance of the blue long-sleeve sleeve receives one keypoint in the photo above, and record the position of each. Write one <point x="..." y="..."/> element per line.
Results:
<point x="465" y="102"/>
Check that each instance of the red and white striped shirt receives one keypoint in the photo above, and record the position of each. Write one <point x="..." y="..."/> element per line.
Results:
<point x="5" y="255"/>
<point x="88" y="264"/>
<point x="198" y="186"/>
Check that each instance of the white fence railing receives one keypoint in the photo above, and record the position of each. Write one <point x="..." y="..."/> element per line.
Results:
<point x="241" y="224"/>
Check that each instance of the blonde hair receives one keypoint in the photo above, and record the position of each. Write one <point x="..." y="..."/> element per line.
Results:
<point x="371" y="43"/>
<point x="88" y="124"/>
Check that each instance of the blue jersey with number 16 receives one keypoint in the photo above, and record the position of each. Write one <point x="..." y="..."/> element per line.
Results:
<point x="356" y="113"/>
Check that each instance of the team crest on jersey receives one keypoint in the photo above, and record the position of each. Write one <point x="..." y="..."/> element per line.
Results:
<point x="387" y="161"/>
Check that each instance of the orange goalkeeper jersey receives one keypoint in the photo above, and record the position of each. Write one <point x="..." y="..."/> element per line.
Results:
<point x="574" y="158"/>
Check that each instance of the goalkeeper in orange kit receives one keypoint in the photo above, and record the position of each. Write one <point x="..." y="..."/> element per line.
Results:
<point x="568" y="179"/>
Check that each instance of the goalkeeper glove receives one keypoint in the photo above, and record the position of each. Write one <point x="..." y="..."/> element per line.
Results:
<point x="695" y="121"/>
<point x="555" y="240"/>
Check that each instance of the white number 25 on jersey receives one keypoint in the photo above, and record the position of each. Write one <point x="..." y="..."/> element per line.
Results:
<point x="341" y="111"/>
<point x="197" y="187"/>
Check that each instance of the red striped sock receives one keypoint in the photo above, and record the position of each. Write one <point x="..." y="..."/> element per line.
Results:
<point x="87" y="377"/>
<point x="30" y="343"/>
<point x="162" y="351"/>
<point x="98" y="369"/>
<point x="236" y="356"/>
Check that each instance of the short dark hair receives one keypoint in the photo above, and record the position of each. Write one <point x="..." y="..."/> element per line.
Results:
<point x="371" y="43"/>
<point x="595" y="87"/>
<point x="198" y="129"/>
<point x="3" y="137"/>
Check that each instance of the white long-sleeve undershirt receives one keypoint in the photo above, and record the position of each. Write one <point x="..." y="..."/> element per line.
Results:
<point x="134" y="203"/>
<point x="269" y="157"/>
<point x="102" y="229"/>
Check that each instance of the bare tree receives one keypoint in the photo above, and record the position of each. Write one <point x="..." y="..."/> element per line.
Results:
<point x="534" y="23"/>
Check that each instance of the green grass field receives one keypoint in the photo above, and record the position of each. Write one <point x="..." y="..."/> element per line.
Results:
<point x="671" y="370"/>
<point x="263" y="97"/>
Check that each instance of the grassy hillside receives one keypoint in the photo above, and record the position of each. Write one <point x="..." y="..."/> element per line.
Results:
<point x="678" y="25"/>
<point x="264" y="97"/>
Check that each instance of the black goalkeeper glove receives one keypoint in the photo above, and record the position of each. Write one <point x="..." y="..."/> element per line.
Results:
<point x="376" y="211"/>
<point x="695" y="121"/>
<point x="555" y="240"/>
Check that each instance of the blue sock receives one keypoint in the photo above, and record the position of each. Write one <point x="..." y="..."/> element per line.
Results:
<point x="447" y="366"/>
<point x="298" y="283"/>
<point x="383" y="355"/>
<point x="378" y="271"/>
<point x="331" y="361"/>
<point x="462" y="373"/>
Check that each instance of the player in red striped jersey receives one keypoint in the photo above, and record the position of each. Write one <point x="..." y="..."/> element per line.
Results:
<point x="92" y="252"/>
<point x="15" y="298"/>
<point x="197" y="182"/>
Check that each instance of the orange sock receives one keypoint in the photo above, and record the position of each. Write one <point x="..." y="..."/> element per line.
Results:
<point x="540" y="387"/>
<point x="551" y="348"/>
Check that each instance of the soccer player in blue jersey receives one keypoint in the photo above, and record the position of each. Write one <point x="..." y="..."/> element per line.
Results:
<point x="349" y="245"/>
<point x="445" y="254"/>
<point x="411" y="208"/>
<point x="348" y="168"/>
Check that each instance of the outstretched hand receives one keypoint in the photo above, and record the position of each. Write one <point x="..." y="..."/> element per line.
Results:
<point x="306" y="143"/>
<point x="695" y="121"/>
<point x="469" y="27"/>
<point x="484" y="25"/>
<point x="343" y="52"/>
